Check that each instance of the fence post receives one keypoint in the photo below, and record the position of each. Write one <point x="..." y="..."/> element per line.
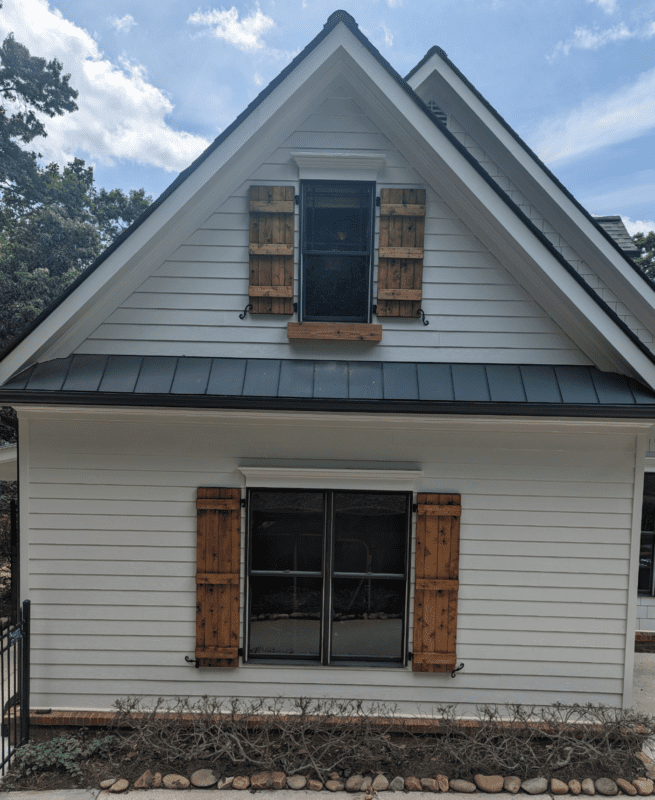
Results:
<point x="25" y="676"/>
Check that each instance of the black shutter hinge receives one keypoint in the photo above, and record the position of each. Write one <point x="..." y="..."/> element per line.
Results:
<point x="243" y="502"/>
<point x="297" y="199"/>
<point x="378" y="202"/>
<point x="375" y="309"/>
<point x="240" y="653"/>
<point x="248" y="308"/>
<point x="414" y="507"/>
<point x="192" y="661"/>
<point x="456" y="670"/>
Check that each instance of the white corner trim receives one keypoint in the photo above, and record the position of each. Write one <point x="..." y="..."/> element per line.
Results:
<point x="8" y="463"/>
<point x="328" y="478"/>
<point x="327" y="164"/>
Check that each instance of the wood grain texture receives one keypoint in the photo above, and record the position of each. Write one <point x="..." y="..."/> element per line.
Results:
<point x="436" y="583"/>
<point x="348" y="331"/>
<point x="401" y="252"/>
<point x="217" y="578"/>
<point x="270" y="249"/>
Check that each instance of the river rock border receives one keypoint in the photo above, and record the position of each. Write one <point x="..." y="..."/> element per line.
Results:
<point x="371" y="785"/>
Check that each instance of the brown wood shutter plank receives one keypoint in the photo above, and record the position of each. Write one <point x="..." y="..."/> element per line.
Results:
<point x="436" y="583"/>
<point x="217" y="580"/>
<point x="271" y="249"/>
<point x="400" y="254"/>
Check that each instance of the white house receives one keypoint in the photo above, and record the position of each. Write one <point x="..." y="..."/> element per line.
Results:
<point x="364" y="396"/>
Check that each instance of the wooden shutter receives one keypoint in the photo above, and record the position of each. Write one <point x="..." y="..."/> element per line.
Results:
<point x="217" y="579"/>
<point x="271" y="249"/>
<point x="437" y="582"/>
<point x="400" y="255"/>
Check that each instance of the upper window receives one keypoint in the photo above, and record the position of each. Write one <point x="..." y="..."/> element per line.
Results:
<point x="328" y="576"/>
<point x="645" y="585"/>
<point x="336" y="250"/>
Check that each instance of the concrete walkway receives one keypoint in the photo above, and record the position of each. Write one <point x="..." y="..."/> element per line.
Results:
<point x="643" y="695"/>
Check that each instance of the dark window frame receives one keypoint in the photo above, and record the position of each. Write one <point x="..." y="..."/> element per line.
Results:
<point x="646" y="572"/>
<point x="303" y="316"/>
<point x="325" y="658"/>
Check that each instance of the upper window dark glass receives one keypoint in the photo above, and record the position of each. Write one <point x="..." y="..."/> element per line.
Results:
<point x="646" y="550"/>
<point x="328" y="575"/>
<point x="337" y="240"/>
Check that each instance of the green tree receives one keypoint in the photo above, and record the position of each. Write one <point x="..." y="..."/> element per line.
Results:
<point x="646" y="244"/>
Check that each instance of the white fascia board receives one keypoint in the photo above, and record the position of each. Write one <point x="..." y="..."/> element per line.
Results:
<point x="590" y="243"/>
<point x="353" y="421"/>
<point x="8" y="463"/>
<point x="498" y="226"/>
<point x="188" y="206"/>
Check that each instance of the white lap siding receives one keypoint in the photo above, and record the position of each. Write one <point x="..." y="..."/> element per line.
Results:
<point x="191" y="302"/>
<point x="545" y="548"/>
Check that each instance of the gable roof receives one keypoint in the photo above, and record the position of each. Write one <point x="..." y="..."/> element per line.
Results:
<point x="596" y="221"/>
<point x="640" y="362"/>
<point x="615" y="227"/>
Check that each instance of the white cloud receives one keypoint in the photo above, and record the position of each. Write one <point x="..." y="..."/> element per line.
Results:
<point x="585" y="39"/>
<point x="638" y="225"/>
<point x="394" y="3"/>
<point x="388" y="36"/>
<point x="599" y="122"/>
<point x="244" y="34"/>
<point x="257" y="79"/>
<point x="608" y="6"/>
<point x="124" y="24"/>
<point x="121" y="114"/>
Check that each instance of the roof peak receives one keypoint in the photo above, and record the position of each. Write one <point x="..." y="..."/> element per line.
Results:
<point x="340" y="16"/>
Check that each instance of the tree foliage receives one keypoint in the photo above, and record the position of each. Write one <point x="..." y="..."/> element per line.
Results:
<point x="53" y="221"/>
<point x="646" y="244"/>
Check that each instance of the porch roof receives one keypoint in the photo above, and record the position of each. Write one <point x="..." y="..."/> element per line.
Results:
<point x="301" y="384"/>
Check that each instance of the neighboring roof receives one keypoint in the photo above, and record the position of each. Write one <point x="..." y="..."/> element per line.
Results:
<point x="615" y="227"/>
<point x="330" y="386"/>
<point x="438" y="51"/>
<point x="8" y="461"/>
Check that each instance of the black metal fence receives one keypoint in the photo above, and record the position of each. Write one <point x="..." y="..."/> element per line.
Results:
<point x="15" y="683"/>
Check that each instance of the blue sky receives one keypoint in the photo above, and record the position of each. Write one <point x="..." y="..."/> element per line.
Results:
<point x="159" y="80"/>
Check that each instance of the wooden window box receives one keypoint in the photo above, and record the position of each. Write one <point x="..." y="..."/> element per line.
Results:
<point x="348" y="331"/>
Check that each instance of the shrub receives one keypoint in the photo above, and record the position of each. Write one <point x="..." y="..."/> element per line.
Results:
<point x="65" y="753"/>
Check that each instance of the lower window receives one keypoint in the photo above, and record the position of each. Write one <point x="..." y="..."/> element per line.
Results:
<point x="328" y="576"/>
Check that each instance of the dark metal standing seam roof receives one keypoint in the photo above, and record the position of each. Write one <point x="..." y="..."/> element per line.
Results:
<point x="333" y="20"/>
<point x="371" y="386"/>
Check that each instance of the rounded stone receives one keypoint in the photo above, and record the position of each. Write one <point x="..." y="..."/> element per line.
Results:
<point x="626" y="786"/>
<point x="225" y="783"/>
<point x="512" y="784"/>
<point x="296" y="781"/>
<point x="202" y="778"/>
<point x="429" y="785"/>
<point x="606" y="787"/>
<point x="397" y="784"/>
<point x="643" y="785"/>
<point x="575" y="786"/>
<point x="241" y="782"/>
<point x="354" y="783"/>
<point x="157" y="780"/>
<point x="107" y="783"/>
<point x="492" y="784"/>
<point x="145" y="781"/>
<point x="558" y="787"/>
<point x="459" y="785"/>
<point x="412" y="784"/>
<point x="535" y="786"/>
<point x="366" y="783"/>
<point x="588" y="786"/>
<point x="119" y="786"/>
<point x="334" y="786"/>
<point x="380" y="783"/>
<point x="176" y="782"/>
<point x="314" y="785"/>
